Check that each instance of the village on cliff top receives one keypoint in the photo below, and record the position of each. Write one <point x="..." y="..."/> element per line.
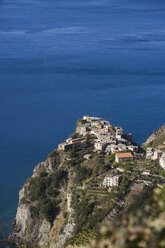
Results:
<point x="110" y="139"/>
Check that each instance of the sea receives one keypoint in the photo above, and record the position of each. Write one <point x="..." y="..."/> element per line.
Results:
<point x="62" y="59"/>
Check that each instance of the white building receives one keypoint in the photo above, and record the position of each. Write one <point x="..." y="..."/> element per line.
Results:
<point x="111" y="180"/>
<point x="119" y="132"/>
<point x="157" y="155"/>
<point x="162" y="161"/>
<point x="62" y="146"/>
<point x="146" y="172"/>
<point x="149" y="153"/>
<point x="108" y="149"/>
<point x="83" y="131"/>
<point x="93" y="120"/>
<point x="99" y="146"/>
<point x="133" y="148"/>
<point x="69" y="143"/>
<point x="114" y="148"/>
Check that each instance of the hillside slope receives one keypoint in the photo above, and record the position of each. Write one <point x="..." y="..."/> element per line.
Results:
<point x="65" y="197"/>
<point x="157" y="139"/>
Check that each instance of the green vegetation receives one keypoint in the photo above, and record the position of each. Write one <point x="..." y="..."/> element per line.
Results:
<point x="45" y="185"/>
<point x="85" y="236"/>
<point x="75" y="135"/>
<point x="127" y="150"/>
<point x="34" y="212"/>
<point x="84" y="206"/>
<point x="157" y="139"/>
<point x="81" y="173"/>
<point x="66" y="217"/>
<point x="140" y="200"/>
<point x="142" y="227"/>
<point x="43" y="191"/>
<point x="109" y="159"/>
<point x="87" y="195"/>
<point x="157" y="142"/>
<point x="81" y="121"/>
<point x="49" y="208"/>
<point x="89" y="201"/>
<point x="53" y="154"/>
<point x="76" y="157"/>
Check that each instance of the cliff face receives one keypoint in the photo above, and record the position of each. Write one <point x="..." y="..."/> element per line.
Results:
<point x="157" y="139"/>
<point x="43" y="200"/>
<point x="54" y="204"/>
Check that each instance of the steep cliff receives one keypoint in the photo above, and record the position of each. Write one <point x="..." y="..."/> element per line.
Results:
<point x="45" y="214"/>
<point x="43" y="203"/>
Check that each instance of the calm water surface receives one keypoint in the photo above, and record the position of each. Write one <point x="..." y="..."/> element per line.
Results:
<point x="62" y="59"/>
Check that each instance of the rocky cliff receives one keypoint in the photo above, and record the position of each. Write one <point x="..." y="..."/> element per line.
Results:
<point x="44" y="215"/>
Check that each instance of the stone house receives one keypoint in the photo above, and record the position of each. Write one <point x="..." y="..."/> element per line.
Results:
<point x="122" y="157"/>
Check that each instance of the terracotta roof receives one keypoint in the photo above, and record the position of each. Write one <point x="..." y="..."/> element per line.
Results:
<point x="124" y="155"/>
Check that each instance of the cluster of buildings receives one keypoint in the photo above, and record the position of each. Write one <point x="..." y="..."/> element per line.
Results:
<point x="108" y="138"/>
<point x="156" y="154"/>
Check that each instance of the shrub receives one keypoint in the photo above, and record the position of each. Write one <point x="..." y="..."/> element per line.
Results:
<point x="34" y="212"/>
<point x="43" y="190"/>
<point x="53" y="154"/>
<point x="81" y="121"/>
<point x="49" y="209"/>
<point x="75" y="135"/>
<point x="82" y="173"/>
<point x="24" y="201"/>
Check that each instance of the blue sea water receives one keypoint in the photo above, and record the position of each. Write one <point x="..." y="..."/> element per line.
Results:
<point x="62" y="59"/>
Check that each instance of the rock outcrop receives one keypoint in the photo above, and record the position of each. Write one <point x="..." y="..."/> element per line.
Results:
<point x="32" y="225"/>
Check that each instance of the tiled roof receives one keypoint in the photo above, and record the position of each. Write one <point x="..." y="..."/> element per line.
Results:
<point x="124" y="155"/>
